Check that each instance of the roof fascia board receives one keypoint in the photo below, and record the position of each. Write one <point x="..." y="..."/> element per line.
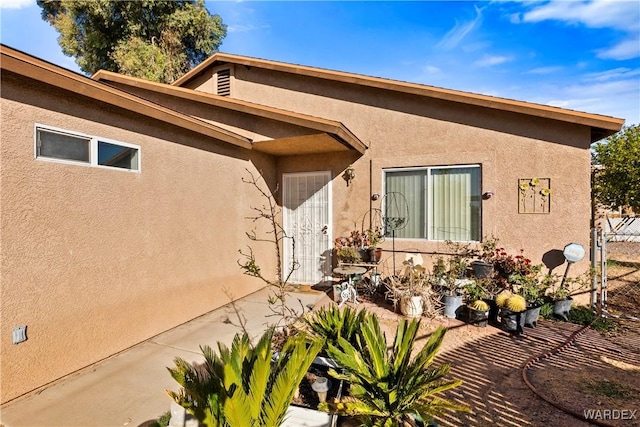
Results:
<point x="303" y="120"/>
<point x="539" y="110"/>
<point x="31" y="67"/>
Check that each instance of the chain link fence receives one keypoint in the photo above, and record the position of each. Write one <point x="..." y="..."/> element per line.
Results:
<point x="616" y="258"/>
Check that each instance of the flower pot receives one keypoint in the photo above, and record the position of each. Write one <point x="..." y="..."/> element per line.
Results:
<point x="512" y="321"/>
<point x="478" y="318"/>
<point x="481" y="269"/>
<point x="452" y="306"/>
<point x="364" y="255"/>
<point x="531" y="316"/>
<point x="377" y="255"/>
<point x="561" y="308"/>
<point x="411" y="306"/>
<point x="493" y="309"/>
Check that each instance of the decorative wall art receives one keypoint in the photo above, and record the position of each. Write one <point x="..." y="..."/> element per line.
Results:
<point x="534" y="195"/>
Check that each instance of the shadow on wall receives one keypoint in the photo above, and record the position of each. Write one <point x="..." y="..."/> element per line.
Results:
<point x="553" y="259"/>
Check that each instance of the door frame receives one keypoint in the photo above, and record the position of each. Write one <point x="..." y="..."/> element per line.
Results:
<point x="285" y="218"/>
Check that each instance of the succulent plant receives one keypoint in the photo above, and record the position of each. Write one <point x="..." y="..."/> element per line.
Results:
<point x="516" y="303"/>
<point x="479" y="305"/>
<point x="502" y="297"/>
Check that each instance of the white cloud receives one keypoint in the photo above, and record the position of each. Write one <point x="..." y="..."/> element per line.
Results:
<point x="459" y="31"/>
<point x="616" y="73"/>
<point x="240" y="28"/>
<point x="432" y="69"/>
<point x="545" y="70"/>
<point x="489" y="60"/>
<point x="16" y="4"/>
<point x="627" y="49"/>
<point x="619" y="15"/>
<point x="623" y="15"/>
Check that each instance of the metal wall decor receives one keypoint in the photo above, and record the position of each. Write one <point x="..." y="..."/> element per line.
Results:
<point x="534" y="195"/>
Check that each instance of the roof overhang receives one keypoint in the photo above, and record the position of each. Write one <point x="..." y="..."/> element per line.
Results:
<point x="320" y="135"/>
<point x="45" y="72"/>
<point x="601" y="126"/>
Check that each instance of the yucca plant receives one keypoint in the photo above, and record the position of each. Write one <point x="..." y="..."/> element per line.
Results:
<point x="388" y="387"/>
<point x="243" y="386"/>
<point x="333" y="323"/>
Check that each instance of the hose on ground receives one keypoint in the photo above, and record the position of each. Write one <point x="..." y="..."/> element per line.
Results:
<point x="548" y="354"/>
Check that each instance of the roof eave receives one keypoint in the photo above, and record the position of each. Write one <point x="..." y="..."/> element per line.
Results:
<point x="597" y="121"/>
<point x="31" y="67"/>
<point x="338" y="130"/>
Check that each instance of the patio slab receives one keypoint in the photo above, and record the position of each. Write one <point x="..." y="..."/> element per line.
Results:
<point x="128" y="389"/>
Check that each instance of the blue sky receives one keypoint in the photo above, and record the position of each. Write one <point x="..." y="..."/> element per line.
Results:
<point x="581" y="55"/>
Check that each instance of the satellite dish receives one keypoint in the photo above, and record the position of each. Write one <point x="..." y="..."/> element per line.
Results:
<point x="574" y="252"/>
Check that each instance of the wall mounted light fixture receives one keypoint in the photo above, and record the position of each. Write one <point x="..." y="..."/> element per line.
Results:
<point x="349" y="174"/>
<point x="487" y="195"/>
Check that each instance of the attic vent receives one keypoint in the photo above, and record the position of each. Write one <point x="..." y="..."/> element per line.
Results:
<point x="224" y="82"/>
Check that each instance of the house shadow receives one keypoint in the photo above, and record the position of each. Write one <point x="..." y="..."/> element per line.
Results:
<point x="491" y="368"/>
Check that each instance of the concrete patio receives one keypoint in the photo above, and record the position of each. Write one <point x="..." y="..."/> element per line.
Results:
<point x="128" y="389"/>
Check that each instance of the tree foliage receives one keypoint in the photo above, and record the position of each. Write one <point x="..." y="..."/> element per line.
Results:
<point x="617" y="178"/>
<point x="157" y="40"/>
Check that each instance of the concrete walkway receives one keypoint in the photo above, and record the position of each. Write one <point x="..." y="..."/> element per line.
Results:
<point x="129" y="389"/>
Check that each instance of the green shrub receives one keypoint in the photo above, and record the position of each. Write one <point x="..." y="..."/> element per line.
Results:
<point x="582" y="315"/>
<point x="546" y="311"/>
<point x="243" y="386"/>
<point x="333" y="323"/>
<point x="387" y="386"/>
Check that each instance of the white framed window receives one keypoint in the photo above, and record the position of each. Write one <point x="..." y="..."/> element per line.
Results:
<point x="433" y="203"/>
<point x="74" y="147"/>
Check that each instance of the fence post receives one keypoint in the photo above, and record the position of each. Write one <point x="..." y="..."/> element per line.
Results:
<point x="594" y="260"/>
<point x="603" y="272"/>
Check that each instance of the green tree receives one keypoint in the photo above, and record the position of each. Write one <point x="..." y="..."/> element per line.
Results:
<point x="616" y="181"/>
<point x="157" y="40"/>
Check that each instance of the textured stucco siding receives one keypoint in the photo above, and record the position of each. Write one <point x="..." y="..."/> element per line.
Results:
<point x="95" y="260"/>
<point x="408" y="130"/>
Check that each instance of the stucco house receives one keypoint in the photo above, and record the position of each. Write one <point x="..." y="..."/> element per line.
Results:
<point x="123" y="207"/>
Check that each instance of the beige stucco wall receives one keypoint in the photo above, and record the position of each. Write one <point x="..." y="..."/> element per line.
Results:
<point x="408" y="130"/>
<point x="95" y="260"/>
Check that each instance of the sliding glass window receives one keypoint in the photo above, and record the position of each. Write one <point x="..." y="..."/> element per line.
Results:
<point x="433" y="203"/>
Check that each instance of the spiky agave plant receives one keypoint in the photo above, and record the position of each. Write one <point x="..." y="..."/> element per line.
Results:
<point x="243" y="386"/>
<point x="389" y="388"/>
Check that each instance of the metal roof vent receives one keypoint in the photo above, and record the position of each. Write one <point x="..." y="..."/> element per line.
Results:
<point x="224" y="82"/>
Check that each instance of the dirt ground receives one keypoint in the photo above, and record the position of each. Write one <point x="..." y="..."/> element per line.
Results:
<point x="596" y="373"/>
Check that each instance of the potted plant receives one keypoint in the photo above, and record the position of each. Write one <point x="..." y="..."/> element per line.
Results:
<point x="243" y="385"/>
<point x="451" y="275"/>
<point x="561" y="294"/>
<point x="483" y="266"/>
<point x="387" y="386"/>
<point x="528" y="282"/>
<point x="413" y="288"/>
<point x="374" y="237"/>
<point x="512" y="309"/>
<point x="477" y="308"/>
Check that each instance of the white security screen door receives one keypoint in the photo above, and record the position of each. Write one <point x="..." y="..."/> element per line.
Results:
<point x="307" y="220"/>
